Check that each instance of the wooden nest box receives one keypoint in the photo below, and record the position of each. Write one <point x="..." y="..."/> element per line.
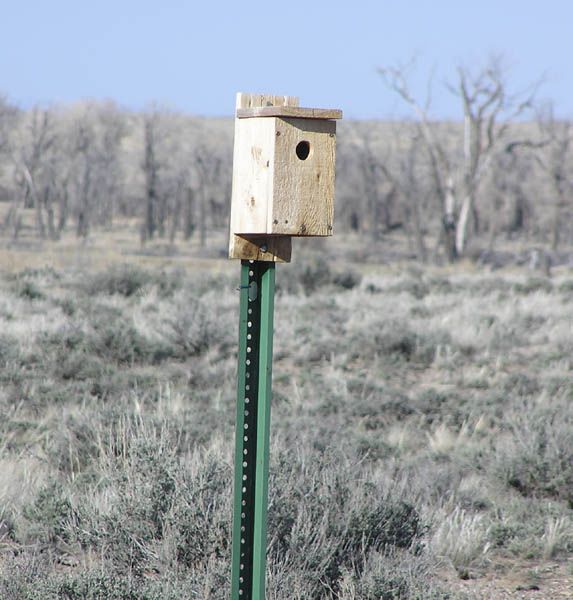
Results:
<point x="283" y="175"/>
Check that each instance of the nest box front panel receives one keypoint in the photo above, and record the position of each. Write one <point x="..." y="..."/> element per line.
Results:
<point x="303" y="182"/>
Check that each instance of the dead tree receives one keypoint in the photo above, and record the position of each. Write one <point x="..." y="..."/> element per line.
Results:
<point x="167" y="167"/>
<point x="94" y="175"/>
<point x="488" y="110"/>
<point x="414" y="195"/>
<point x="83" y="175"/>
<point x="151" y="169"/>
<point x="33" y="158"/>
<point x="189" y="222"/>
<point x="207" y="167"/>
<point x="374" y="192"/>
<point x="556" y="164"/>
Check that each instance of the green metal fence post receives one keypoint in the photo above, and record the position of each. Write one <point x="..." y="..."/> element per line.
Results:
<point x="252" y="435"/>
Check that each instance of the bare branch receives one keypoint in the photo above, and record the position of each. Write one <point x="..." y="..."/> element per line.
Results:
<point x="488" y="111"/>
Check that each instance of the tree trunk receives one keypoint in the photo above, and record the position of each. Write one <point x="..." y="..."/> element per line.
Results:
<point x="560" y="203"/>
<point x="52" y="232"/>
<point x="449" y="229"/>
<point x="462" y="224"/>
<point x="492" y="238"/>
<point x="31" y="196"/>
<point x="83" y="225"/>
<point x="354" y="221"/>
<point x="150" y="168"/>
<point x="373" y="215"/>
<point x="476" y="220"/>
<point x="63" y="217"/>
<point x="449" y="221"/>
<point x="202" y="221"/>
<point x="149" y="226"/>
<point x="13" y="220"/>
<point x="189" y="218"/>
<point x="385" y="208"/>
<point x="555" y="234"/>
<point x="161" y="215"/>
<point x="40" y="219"/>
<point x="421" y="251"/>
<point x="175" y="216"/>
<point x="28" y="198"/>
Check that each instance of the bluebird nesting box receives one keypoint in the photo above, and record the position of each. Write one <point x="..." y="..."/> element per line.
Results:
<point x="283" y="175"/>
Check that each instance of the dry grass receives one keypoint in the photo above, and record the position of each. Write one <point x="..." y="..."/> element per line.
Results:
<point x="421" y="425"/>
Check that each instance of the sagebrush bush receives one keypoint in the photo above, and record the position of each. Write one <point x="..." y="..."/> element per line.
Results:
<point x="119" y="342"/>
<point x="393" y="577"/>
<point x="193" y="329"/>
<point x="87" y="349"/>
<point x="8" y="349"/>
<point x="73" y="446"/>
<point x="320" y="527"/>
<point x="417" y="288"/>
<point x="49" y="514"/>
<point x="29" y="290"/>
<point x="125" y="280"/>
<point x="34" y="578"/>
<point x="395" y="340"/>
<point x="146" y="510"/>
<point x="532" y="285"/>
<point x="462" y="538"/>
<point x="201" y="518"/>
<point x="535" y="456"/>
<point x="413" y="427"/>
<point x="311" y="275"/>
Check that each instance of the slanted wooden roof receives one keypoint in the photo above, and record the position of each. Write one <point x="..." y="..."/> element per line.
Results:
<point x="289" y="111"/>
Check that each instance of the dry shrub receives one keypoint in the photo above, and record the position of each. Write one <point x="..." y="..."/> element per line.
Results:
<point x="462" y="538"/>
<point x="321" y="525"/>
<point x="311" y="275"/>
<point x="535" y="456"/>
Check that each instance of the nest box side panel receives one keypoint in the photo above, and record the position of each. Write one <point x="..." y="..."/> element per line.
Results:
<point x="246" y="215"/>
<point x="303" y="194"/>
<point x="253" y="161"/>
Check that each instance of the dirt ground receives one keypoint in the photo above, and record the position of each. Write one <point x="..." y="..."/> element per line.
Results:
<point x="509" y="579"/>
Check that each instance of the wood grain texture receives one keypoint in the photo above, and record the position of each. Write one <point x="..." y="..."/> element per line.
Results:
<point x="264" y="247"/>
<point x="303" y="189"/>
<point x="252" y="184"/>
<point x="258" y="100"/>
<point x="253" y="163"/>
<point x="289" y="111"/>
<point x="283" y="175"/>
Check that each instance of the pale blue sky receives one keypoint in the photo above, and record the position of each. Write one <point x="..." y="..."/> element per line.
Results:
<point x="194" y="56"/>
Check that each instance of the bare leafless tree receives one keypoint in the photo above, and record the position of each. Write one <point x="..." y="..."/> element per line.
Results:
<point x="488" y="111"/>
<point x="172" y="162"/>
<point x="9" y="116"/>
<point x="556" y="163"/>
<point x="34" y="162"/>
<point x="95" y="174"/>
<point x="414" y="194"/>
<point x="189" y="219"/>
<point x="207" y="167"/>
<point x="151" y="167"/>
<point x="379" y="186"/>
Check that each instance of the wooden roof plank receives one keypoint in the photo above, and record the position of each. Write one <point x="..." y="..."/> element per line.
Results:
<point x="289" y="111"/>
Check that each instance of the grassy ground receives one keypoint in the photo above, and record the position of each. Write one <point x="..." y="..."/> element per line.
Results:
<point x="422" y="428"/>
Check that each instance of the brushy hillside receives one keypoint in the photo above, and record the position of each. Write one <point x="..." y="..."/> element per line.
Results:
<point x="422" y="432"/>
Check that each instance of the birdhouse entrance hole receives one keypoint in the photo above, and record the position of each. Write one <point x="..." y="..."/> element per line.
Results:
<point x="303" y="150"/>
